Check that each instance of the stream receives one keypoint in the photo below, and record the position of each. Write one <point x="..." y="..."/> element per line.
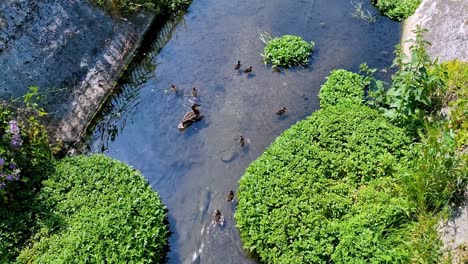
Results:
<point x="194" y="170"/>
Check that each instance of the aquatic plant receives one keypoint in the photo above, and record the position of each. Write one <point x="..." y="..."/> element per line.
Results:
<point x="342" y="86"/>
<point x="286" y="51"/>
<point x="361" y="13"/>
<point x="397" y="9"/>
<point x="324" y="191"/>
<point x="96" y="209"/>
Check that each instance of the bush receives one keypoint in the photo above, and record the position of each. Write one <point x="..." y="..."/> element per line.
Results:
<point x="286" y="51"/>
<point x="438" y="172"/>
<point x="409" y="100"/>
<point x="397" y="9"/>
<point x="128" y="6"/>
<point x="25" y="160"/>
<point x="294" y="198"/>
<point x="342" y="87"/>
<point x="456" y="97"/>
<point x="102" y="211"/>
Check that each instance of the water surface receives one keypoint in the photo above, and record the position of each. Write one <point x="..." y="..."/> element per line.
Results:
<point x="194" y="170"/>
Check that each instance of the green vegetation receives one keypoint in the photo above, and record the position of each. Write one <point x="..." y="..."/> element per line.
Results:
<point x="455" y="97"/>
<point x="350" y="185"/>
<point x="77" y="210"/>
<point x="286" y="51"/>
<point x="410" y="98"/>
<point x="100" y="211"/>
<point x="305" y="199"/>
<point x="397" y="9"/>
<point x="342" y="86"/>
<point x="129" y="6"/>
<point x="25" y="160"/>
<point x="361" y="13"/>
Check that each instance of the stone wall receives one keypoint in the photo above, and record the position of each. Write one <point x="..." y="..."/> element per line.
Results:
<point x="72" y="50"/>
<point x="447" y="22"/>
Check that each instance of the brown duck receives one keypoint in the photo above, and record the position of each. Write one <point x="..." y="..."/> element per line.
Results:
<point x="238" y="65"/>
<point x="194" y="92"/>
<point x="248" y="70"/>
<point x="174" y="88"/>
<point x="230" y="196"/>
<point x="242" y="141"/>
<point x="282" y="111"/>
<point x="190" y="117"/>
<point x="217" y="217"/>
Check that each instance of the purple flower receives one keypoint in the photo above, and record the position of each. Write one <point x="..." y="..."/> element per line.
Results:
<point x="2" y="185"/>
<point x="16" y="140"/>
<point x="9" y="177"/>
<point x="12" y="166"/>
<point x="2" y="162"/>
<point x="14" y="129"/>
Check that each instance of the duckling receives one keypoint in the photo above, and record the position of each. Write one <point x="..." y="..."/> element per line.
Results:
<point x="238" y="65"/>
<point x="242" y="141"/>
<point x="194" y="92"/>
<point x="190" y="117"/>
<point x="218" y="217"/>
<point x="282" y="111"/>
<point x="230" y="196"/>
<point x="248" y="70"/>
<point x="174" y="88"/>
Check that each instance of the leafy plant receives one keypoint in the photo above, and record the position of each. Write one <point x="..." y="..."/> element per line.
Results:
<point x="375" y="230"/>
<point x="286" y="51"/>
<point x="25" y="160"/>
<point x="397" y="9"/>
<point x="342" y="87"/>
<point x="294" y="198"/>
<point x="101" y="211"/>
<point x="409" y="98"/>
<point x="437" y="171"/>
<point x="455" y="98"/>
<point x="129" y="6"/>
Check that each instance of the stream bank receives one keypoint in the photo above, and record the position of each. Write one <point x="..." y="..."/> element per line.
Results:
<point x="194" y="170"/>
<point x="447" y="26"/>
<point x="73" y="51"/>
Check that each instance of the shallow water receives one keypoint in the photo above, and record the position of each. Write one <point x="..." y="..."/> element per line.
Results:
<point x="194" y="170"/>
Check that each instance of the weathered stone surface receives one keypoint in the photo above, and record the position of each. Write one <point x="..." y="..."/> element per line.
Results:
<point x="72" y="50"/>
<point x="447" y="23"/>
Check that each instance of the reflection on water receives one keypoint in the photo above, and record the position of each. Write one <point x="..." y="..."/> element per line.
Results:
<point x="194" y="170"/>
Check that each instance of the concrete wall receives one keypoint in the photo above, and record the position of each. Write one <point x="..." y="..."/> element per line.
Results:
<point x="447" y="22"/>
<point x="72" y="50"/>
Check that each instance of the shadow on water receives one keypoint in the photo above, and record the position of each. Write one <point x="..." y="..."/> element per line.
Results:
<point x="194" y="170"/>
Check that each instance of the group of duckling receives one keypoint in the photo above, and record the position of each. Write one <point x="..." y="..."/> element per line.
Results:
<point x="218" y="218"/>
<point x="238" y="66"/>
<point x="195" y="116"/>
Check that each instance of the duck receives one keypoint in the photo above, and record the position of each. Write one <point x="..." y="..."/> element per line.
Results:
<point x="230" y="196"/>
<point x="238" y="65"/>
<point x="174" y="88"/>
<point x="194" y="92"/>
<point x="248" y="70"/>
<point x="190" y="117"/>
<point x="217" y="217"/>
<point x="282" y="111"/>
<point x="242" y="141"/>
